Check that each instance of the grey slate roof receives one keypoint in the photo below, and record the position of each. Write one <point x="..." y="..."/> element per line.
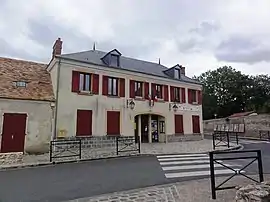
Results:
<point x="130" y="64"/>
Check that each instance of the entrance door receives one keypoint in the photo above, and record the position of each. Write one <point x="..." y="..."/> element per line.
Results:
<point x="144" y="128"/>
<point x="154" y="125"/>
<point x="196" y="124"/>
<point x="13" y="135"/>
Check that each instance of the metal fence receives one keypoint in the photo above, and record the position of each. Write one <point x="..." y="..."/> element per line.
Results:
<point x="223" y="133"/>
<point x="220" y="156"/>
<point x="61" y="148"/>
<point x="127" y="144"/>
<point x="77" y="148"/>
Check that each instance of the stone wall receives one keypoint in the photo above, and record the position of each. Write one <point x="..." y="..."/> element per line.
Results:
<point x="252" y="123"/>
<point x="183" y="138"/>
<point x="253" y="192"/>
<point x="92" y="142"/>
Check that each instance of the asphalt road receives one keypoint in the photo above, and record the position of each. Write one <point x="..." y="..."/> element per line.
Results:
<point x="70" y="181"/>
<point x="78" y="180"/>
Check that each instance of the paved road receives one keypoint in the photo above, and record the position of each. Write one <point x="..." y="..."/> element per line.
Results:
<point x="70" y="181"/>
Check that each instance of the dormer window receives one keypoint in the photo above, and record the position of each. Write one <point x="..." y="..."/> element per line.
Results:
<point x="114" y="60"/>
<point x="177" y="73"/>
<point x="19" y="83"/>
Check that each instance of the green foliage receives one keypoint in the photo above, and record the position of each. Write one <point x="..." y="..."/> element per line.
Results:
<point x="227" y="91"/>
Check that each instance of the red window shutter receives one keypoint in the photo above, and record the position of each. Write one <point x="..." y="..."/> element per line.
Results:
<point x="199" y="97"/>
<point x="189" y="96"/>
<point x="105" y="85"/>
<point x="178" y="124"/>
<point x="166" y="93"/>
<point x="172" y="93"/>
<point x="153" y="89"/>
<point x="146" y="90"/>
<point x="84" y="122"/>
<point x="113" y="123"/>
<point x="122" y="87"/>
<point x="132" y="89"/>
<point x="95" y="88"/>
<point x="183" y="94"/>
<point x="75" y="81"/>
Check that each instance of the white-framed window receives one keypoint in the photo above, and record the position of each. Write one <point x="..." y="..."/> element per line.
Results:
<point x="138" y="89"/>
<point x="85" y="82"/>
<point x="113" y="86"/>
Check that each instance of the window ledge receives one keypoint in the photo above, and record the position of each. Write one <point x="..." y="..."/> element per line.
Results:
<point x="160" y="100"/>
<point x="139" y="98"/>
<point x="85" y="93"/>
<point x="113" y="96"/>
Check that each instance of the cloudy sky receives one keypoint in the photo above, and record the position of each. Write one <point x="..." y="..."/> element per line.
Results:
<point x="199" y="34"/>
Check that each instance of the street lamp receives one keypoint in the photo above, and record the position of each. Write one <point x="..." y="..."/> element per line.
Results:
<point x="130" y="104"/>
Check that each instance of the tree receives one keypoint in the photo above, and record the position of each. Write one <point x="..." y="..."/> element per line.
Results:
<point x="226" y="91"/>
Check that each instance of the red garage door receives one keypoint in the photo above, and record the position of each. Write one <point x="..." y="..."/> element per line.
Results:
<point x="84" y="122"/>
<point x="178" y="124"/>
<point x="113" y="123"/>
<point x="13" y="134"/>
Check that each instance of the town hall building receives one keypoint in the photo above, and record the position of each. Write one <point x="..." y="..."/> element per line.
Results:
<point x="107" y="94"/>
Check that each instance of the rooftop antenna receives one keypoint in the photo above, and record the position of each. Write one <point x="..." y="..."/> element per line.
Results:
<point x="94" y="46"/>
<point x="159" y="61"/>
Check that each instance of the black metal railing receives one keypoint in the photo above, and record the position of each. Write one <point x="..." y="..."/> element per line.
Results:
<point x="216" y="157"/>
<point x="223" y="134"/>
<point x="264" y="135"/>
<point x="127" y="144"/>
<point x="62" y="148"/>
<point x="221" y="139"/>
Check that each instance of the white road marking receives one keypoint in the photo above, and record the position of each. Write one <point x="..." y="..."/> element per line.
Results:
<point x="193" y="167"/>
<point x="184" y="162"/>
<point x="198" y="173"/>
<point x="179" y="159"/>
<point x="181" y="155"/>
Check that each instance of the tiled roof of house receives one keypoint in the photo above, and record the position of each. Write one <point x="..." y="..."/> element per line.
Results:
<point x="130" y="64"/>
<point x="38" y="80"/>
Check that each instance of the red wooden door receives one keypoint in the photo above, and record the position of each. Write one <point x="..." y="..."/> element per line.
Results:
<point x="178" y="124"/>
<point x="84" y="123"/>
<point x="13" y="135"/>
<point x="113" y="123"/>
<point x="196" y="124"/>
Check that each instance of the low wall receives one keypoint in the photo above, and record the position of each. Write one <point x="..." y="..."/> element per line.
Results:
<point x="252" y="123"/>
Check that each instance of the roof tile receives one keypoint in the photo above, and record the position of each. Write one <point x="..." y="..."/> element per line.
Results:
<point x="38" y="80"/>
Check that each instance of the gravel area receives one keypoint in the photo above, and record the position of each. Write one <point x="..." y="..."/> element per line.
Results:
<point x="189" y="191"/>
<point x="201" y="146"/>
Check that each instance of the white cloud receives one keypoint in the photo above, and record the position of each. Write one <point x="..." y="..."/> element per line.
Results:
<point x="176" y="31"/>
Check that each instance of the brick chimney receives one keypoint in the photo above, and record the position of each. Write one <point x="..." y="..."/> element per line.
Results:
<point x="57" y="47"/>
<point x="182" y="70"/>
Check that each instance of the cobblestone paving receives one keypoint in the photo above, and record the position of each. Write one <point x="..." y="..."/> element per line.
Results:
<point x="90" y="153"/>
<point x="155" y="194"/>
<point x="188" y="191"/>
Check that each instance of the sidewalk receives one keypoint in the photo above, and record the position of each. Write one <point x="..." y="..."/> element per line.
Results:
<point x="15" y="160"/>
<point x="189" y="191"/>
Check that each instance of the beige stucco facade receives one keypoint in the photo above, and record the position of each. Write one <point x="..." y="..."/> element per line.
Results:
<point x="68" y="102"/>
<point x="38" y="123"/>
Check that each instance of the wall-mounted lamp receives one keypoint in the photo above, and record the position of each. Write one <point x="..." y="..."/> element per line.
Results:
<point x="130" y="104"/>
<point x="173" y="106"/>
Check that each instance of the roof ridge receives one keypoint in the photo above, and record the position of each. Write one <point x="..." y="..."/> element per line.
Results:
<point x="121" y="56"/>
<point x="21" y="60"/>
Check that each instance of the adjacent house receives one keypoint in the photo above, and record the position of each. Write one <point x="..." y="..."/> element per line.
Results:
<point x="107" y="94"/>
<point x="26" y="106"/>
